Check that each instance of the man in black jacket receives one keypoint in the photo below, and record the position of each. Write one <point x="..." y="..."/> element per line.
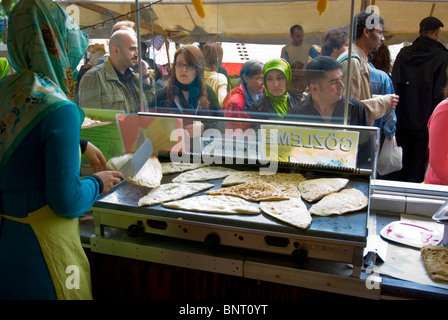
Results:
<point x="419" y="76"/>
<point x="326" y="102"/>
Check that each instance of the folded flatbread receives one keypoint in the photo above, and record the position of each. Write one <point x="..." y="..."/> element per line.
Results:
<point x="292" y="211"/>
<point x="150" y="175"/>
<point x="347" y="200"/>
<point x="435" y="259"/>
<point x="281" y="181"/>
<point x="252" y="191"/>
<point x="172" y="191"/>
<point x="116" y="163"/>
<point x="205" y="173"/>
<point x="177" y="167"/>
<point x="315" y="189"/>
<point x="215" y="204"/>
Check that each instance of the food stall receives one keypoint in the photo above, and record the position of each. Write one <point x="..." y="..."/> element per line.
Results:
<point x="349" y="254"/>
<point x="345" y="254"/>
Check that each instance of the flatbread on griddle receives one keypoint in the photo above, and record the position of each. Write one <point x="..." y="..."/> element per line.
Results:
<point x="435" y="259"/>
<point x="203" y="174"/>
<point x="150" y="175"/>
<point x="215" y="204"/>
<point x="115" y="163"/>
<point x="347" y="200"/>
<point x="252" y="191"/>
<point x="292" y="193"/>
<point x="239" y="177"/>
<point x="177" y="167"/>
<point x="315" y="189"/>
<point x="280" y="180"/>
<point x="292" y="211"/>
<point x="172" y="191"/>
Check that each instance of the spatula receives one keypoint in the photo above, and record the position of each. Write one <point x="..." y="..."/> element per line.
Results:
<point x="133" y="165"/>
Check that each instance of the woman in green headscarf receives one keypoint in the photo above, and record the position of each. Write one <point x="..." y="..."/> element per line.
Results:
<point x="4" y="68"/>
<point x="277" y="102"/>
<point x="41" y="192"/>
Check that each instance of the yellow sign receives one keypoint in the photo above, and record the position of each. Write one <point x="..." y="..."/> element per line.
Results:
<point x="310" y="145"/>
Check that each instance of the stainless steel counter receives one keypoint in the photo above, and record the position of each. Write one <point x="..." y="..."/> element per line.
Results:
<point x="388" y="202"/>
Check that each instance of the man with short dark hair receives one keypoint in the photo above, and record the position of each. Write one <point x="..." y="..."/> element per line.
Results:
<point x="368" y="34"/>
<point x="297" y="50"/>
<point x="419" y="76"/>
<point x="326" y="102"/>
<point x="335" y="42"/>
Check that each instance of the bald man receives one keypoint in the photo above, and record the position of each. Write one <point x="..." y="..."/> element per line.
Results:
<point x="113" y="84"/>
<point x="120" y="25"/>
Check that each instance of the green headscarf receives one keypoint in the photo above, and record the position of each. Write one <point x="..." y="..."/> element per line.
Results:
<point x="280" y="103"/>
<point x="4" y="67"/>
<point x="45" y="46"/>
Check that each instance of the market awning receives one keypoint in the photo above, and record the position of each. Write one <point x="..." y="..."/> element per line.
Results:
<point x="251" y="21"/>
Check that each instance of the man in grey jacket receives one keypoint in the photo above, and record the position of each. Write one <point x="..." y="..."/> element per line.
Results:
<point x="113" y="84"/>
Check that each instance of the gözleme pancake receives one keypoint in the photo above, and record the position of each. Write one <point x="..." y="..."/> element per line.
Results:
<point x="176" y="167"/>
<point x="172" y="191"/>
<point x="252" y="191"/>
<point x="281" y="181"/>
<point x="315" y="189"/>
<point x="292" y="211"/>
<point x="347" y="200"/>
<point x="150" y="175"/>
<point x="435" y="259"/>
<point x="215" y="204"/>
<point x="115" y="163"/>
<point x="202" y="174"/>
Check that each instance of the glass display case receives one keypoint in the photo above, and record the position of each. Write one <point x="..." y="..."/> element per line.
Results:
<point x="246" y="30"/>
<point x="275" y="148"/>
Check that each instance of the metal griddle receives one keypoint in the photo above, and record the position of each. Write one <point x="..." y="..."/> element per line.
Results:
<point x="334" y="238"/>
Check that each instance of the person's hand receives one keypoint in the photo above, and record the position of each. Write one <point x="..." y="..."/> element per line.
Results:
<point x="145" y="72"/>
<point x="195" y="129"/>
<point x="110" y="179"/>
<point x="96" y="157"/>
<point x="394" y="99"/>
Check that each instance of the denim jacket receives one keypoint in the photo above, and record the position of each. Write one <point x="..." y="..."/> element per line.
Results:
<point x="382" y="84"/>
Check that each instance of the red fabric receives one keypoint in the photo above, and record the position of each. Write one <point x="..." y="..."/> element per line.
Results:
<point x="438" y="146"/>
<point x="233" y="69"/>
<point x="233" y="107"/>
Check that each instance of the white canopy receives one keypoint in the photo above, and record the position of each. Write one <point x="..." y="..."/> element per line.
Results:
<point x="251" y="21"/>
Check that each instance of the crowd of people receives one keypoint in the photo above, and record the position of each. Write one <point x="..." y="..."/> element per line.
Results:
<point x="397" y="100"/>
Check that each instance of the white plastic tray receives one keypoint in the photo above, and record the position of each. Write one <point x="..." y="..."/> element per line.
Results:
<point x="411" y="234"/>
